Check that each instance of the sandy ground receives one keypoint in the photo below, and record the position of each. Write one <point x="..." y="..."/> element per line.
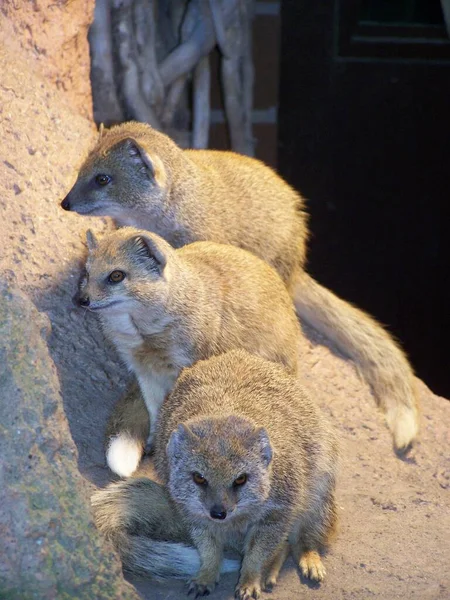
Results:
<point x="394" y="537"/>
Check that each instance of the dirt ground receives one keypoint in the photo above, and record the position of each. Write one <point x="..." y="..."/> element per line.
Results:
<point x="394" y="539"/>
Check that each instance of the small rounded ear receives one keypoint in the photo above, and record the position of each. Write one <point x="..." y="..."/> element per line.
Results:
<point x="139" y="156"/>
<point x="263" y="440"/>
<point x="179" y="439"/>
<point x="92" y="242"/>
<point x="146" y="247"/>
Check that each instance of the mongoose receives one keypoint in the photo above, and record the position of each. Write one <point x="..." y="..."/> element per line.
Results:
<point x="249" y="464"/>
<point x="140" y="177"/>
<point x="165" y="309"/>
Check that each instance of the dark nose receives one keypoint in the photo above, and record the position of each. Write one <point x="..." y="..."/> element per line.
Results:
<point x="65" y="204"/>
<point x="84" y="301"/>
<point x="218" y="512"/>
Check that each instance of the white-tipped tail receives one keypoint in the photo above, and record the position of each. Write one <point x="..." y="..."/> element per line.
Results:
<point x="123" y="455"/>
<point x="404" y="424"/>
<point x="165" y="560"/>
<point x="381" y="361"/>
<point x="142" y="521"/>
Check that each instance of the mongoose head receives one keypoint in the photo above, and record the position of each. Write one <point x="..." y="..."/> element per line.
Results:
<point x="124" y="270"/>
<point x="220" y="468"/>
<point x="123" y="176"/>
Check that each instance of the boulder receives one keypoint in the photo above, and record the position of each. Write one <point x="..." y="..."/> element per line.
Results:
<point x="50" y="548"/>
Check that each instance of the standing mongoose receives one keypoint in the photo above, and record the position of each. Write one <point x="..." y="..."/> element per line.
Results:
<point x="248" y="463"/>
<point x="165" y="309"/>
<point x="140" y="177"/>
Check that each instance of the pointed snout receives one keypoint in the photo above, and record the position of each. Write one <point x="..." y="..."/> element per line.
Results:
<point x="218" y="512"/>
<point x="65" y="204"/>
<point x="84" y="300"/>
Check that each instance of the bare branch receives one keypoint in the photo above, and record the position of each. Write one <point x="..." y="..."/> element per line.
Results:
<point x="172" y="100"/>
<point x="247" y="71"/>
<point x="219" y="28"/>
<point x="145" y="31"/>
<point x="237" y="93"/>
<point x="201" y="104"/>
<point x="200" y="43"/>
<point x="123" y="34"/>
<point x="106" y="103"/>
<point x="186" y="27"/>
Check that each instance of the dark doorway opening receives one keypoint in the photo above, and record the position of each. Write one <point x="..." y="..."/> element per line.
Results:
<point x="364" y="135"/>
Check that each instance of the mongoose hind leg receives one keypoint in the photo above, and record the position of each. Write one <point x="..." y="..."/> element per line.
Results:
<point x="311" y="565"/>
<point x="314" y="530"/>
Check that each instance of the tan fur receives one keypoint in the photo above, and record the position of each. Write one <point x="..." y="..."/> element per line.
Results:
<point x="190" y="195"/>
<point x="130" y="417"/>
<point x="200" y="300"/>
<point x="230" y="415"/>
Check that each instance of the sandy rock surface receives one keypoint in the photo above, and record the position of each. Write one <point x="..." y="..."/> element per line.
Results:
<point x="50" y="548"/>
<point x="395" y="525"/>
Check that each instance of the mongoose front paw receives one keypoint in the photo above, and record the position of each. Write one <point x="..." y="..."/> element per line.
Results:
<point x="248" y="592"/>
<point x="311" y="566"/>
<point x="199" y="588"/>
<point x="270" y="582"/>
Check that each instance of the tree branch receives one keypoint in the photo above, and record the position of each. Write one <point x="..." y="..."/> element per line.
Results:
<point x="123" y="34"/>
<point x="145" y="31"/>
<point x="106" y="103"/>
<point x="201" y="104"/>
<point x="200" y="43"/>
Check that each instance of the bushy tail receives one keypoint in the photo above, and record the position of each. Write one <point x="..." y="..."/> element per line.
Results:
<point x="140" y="518"/>
<point x="381" y="361"/>
<point x="127" y="431"/>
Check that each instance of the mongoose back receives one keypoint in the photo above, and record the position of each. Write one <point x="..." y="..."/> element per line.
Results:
<point x="248" y="463"/>
<point x="140" y="177"/>
<point x="165" y="309"/>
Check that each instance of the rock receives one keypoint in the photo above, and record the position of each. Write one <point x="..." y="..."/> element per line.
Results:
<point x="53" y="36"/>
<point x="50" y="548"/>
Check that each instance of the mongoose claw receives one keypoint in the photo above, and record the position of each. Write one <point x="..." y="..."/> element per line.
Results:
<point x="248" y="592"/>
<point x="200" y="589"/>
<point x="270" y="583"/>
<point x="311" y="566"/>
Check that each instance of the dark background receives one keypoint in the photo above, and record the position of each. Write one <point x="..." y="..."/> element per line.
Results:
<point x="364" y="135"/>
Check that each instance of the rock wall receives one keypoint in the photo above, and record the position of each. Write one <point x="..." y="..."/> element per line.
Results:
<point x="52" y="37"/>
<point x="49" y="547"/>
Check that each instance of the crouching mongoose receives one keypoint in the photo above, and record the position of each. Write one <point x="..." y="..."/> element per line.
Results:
<point x="165" y="309"/>
<point x="249" y="464"/>
<point x="140" y="177"/>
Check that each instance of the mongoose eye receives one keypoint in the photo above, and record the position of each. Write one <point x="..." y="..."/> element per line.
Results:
<point x="116" y="277"/>
<point x="199" y="479"/>
<point x="240" y="480"/>
<point x="102" y="179"/>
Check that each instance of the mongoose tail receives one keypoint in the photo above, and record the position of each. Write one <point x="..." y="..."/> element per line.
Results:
<point x="142" y="505"/>
<point x="381" y="361"/>
<point x="127" y="432"/>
